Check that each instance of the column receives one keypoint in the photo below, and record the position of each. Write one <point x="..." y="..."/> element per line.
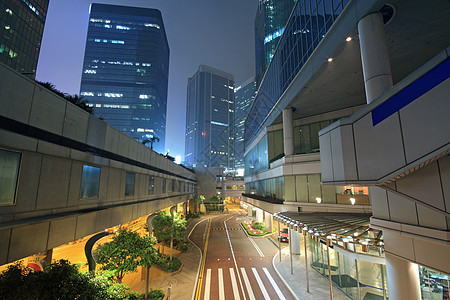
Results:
<point x="259" y="215"/>
<point x="268" y="221"/>
<point x="249" y="210"/>
<point x="374" y="56"/>
<point x="403" y="278"/>
<point x="294" y="237"/>
<point x="288" y="131"/>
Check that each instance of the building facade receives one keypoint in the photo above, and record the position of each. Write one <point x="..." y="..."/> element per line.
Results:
<point x="210" y="119"/>
<point x="244" y="95"/>
<point x="270" y="22"/>
<point x="21" y="28"/>
<point x="348" y="119"/>
<point x="125" y="70"/>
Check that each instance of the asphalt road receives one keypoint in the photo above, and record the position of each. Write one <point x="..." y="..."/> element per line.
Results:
<point x="235" y="266"/>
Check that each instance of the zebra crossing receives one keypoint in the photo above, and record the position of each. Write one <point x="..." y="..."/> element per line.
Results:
<point x="259" y="275"/>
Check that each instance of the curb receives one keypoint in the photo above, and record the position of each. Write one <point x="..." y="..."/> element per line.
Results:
<point x="281" y="277"/>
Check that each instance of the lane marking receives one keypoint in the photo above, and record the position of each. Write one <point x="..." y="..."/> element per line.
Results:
<point x="194" y="291"/>
<point x="274" y="284"/>
<point x="234" y="284"/>
<point x="221" y="289"/>
<point x="261" y="284"/>
<point x="234" y="257"/>
<point x="256" y="247"/>
<point x="247" y="285"/>
<point x="202" y="269"/>
<point x="207" y="284"/>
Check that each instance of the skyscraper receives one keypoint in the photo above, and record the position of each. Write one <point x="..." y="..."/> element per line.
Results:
<point x="125" y="70"/>
<point x="244" y="95"/>
<point x="270" y="23"/>
<point x="21" y="27"/>
<point x="210" y="119"/>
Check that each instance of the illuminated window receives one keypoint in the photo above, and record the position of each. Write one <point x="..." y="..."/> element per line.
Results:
<point x="117" y="42"/>
<point x="90" y="182"/>
<point x="113" y="95"/>
<point x="90" y="72"/>
<point x="87" y="94"/>
<point x="122" y="27"/>
<point x="9" y="172"/>
<point x="129" y="184"/>
<point x="152" y="25"/>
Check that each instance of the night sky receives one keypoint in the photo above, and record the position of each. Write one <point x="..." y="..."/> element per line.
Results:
<point x="218" y="33"/>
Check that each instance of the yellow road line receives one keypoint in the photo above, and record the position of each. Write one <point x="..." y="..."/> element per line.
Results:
<point x="202" y="268"/>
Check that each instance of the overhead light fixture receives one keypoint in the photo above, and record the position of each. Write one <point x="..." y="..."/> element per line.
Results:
<point x="348" y="39"/>
<point x="352" y="201"/>
<point x="330" y="59"/>
<point x="318" y="200"/>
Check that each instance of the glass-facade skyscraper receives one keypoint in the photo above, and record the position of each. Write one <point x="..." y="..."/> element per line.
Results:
<point x="270" y="22"/>
<point x="126" y="68"/>
<point x="21" y="28"/>
<point x="210" y="119"/>
<point x="244" y="96"/>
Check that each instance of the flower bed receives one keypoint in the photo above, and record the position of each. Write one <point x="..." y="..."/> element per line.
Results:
<point x="248" y="227"/>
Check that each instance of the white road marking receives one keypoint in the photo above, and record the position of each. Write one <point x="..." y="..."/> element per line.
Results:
<point x="256" y="247"/>
<point x="207" y="284"/>
<point x="234" y="284"/>
<point x="261" y="284"/>
<point x="234" y="257"/>
<point x="247" y="285"/>
<point x="221" y="289"/>
<point x="274" y="284"/>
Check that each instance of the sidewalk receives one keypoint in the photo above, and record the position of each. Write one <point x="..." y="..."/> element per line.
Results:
<point x="319" y="287"/>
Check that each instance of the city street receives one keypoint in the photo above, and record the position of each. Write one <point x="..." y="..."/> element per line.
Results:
<point x="235" y="266"/>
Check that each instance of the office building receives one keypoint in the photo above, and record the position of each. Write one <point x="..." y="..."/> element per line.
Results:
<point x="270" y="22"/>
<point x="244" y="95"/>
<point x="21" y="28"/>
<point x="210" y="119"/>
<point x="125" y="70"/>
<point x="350" y="121"/>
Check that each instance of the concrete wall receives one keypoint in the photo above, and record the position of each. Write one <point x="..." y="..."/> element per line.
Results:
<point x="55" y="139"/>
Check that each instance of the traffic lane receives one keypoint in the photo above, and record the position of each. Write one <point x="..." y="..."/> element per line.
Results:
<point x="248" y="257"/>
<point x="198" y="235"/>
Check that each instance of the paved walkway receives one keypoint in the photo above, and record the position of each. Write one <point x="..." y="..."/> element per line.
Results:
<point x="318" y="285"/>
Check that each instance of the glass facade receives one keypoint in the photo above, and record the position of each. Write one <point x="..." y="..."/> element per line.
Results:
<point x="210" y="119"/>
<point x="270" y="23"/>
<point x="307" y="26"/>
<point x="90" y="182"/>
<point x="9" y="172"/>
<point x="257" y="160"/>
<point x="306" y="137"/>
<point x="125" y="70"/>
<point x="244" y="95"/>
<point x="434" y="285"/>
<point x="275" y="144"/>
<point x="21" y="27"/>
<point x="273" y="188"/>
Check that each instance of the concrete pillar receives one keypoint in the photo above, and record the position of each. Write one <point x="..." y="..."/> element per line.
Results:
<point x="268" y="221"/>
<point x="374" y="56"/>
<point x="403" y="278"/>
<point x="249" y="210"/>
<point x="259" y="215"/>
<point x="294" y="238"/>
<point x="288" y="131"/>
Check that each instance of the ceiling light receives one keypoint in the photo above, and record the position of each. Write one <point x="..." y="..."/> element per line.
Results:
<point x="318" y="200"/>
<point x="330" y="59"/>
<point x="352" y="201"/>
<point x="348" y="39"/>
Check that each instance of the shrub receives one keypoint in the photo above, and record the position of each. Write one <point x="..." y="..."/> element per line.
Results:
<point x="156" y="295"/>
<point x="260" y="226"/>
<point x="164" y="263"/>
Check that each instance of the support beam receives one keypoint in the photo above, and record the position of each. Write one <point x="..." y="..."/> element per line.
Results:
<point x="259" y="215"/>
<point x="268" y="220"/>
<point x="288" y="131"/>
<point x="294" y="237"/>
<point x="403" y="278"/>
<point x="374" y="56"/>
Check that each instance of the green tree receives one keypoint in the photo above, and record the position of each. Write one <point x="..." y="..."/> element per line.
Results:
<point x="151" y="141"/>
<point x="198" y="199"/>
<point x="214" y="199"/>
<point x="148" y="255"/>
<point x="166" y="229"/>
<point x="121" y="255"/>
<point x="61" y="280"/>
